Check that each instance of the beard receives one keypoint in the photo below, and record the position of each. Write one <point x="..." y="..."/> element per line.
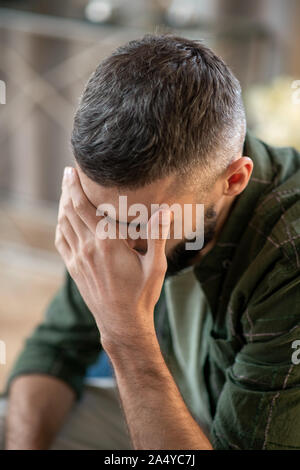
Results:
<point x="180" y="257"/>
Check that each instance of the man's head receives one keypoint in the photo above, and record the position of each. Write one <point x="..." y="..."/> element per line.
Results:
<point x="162" y="120"/>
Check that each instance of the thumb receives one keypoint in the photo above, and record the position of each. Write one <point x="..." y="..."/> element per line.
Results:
<point x="158" y="230"/>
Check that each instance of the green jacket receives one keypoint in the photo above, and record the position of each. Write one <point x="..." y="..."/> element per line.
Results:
<point x="251" y="285"/>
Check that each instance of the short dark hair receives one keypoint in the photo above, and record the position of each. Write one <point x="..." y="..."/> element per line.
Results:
<point x="159" y="105"/>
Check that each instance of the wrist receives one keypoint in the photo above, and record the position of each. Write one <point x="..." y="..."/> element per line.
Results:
<point x="129" y="336"/>
<point x="141" y="343"/>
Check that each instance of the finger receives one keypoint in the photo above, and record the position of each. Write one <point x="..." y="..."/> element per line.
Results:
<point x="62" y="223"/>
<point x="77" y="223"/>
<point x="82" y="206"/>
<point x="112" y="242"/>
<point x="65" y="208"/>
<point x="158" y="229"/>
<point x="61" y="244"/>
<point x="68" y="233"/>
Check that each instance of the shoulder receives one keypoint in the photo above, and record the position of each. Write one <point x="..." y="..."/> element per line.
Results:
<point x="276" y="217"/>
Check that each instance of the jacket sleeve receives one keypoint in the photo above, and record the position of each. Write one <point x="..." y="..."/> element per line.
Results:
<point x="64" y="344"/>
<point x="259" y="406"/>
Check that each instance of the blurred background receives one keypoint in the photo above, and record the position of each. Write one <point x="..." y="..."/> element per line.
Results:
<point x="48" y="49"/>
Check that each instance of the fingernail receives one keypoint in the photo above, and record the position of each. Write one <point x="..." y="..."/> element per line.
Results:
<point x="68" y="173"/>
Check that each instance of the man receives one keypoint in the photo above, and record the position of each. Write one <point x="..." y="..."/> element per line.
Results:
<point x="161" y="121"/>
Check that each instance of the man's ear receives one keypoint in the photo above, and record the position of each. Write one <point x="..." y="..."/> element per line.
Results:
<point x="238" y="175"/>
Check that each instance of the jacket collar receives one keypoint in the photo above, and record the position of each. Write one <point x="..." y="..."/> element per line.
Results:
<point x="260" y="183"/>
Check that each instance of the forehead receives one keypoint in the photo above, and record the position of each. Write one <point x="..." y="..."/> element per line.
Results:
<point x="162" y="191"/>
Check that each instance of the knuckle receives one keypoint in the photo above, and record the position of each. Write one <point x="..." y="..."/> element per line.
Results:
<point x="62" y="224"/>
<point x="58" y="236"/>
<point x="78" y="205"/>
<point x="67" y="204"/>
<point x="79" y="259"/>
<point x="72" y="268"/>
<point x="87" y="249"/>
<point x="56" y="243"/>
<point x="60" y="220"/>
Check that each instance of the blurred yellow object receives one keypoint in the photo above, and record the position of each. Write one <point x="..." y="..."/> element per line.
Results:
<point x="274" y="111"/>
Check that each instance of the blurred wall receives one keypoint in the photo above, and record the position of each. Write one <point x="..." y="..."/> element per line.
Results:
<point x="46" y="55"/>
<point x="45" y="62"/>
